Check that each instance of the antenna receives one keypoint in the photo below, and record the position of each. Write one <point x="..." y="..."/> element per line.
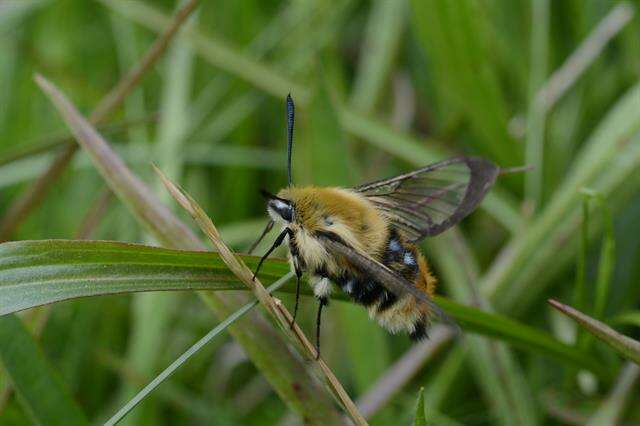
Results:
<point x="291" y="112"/>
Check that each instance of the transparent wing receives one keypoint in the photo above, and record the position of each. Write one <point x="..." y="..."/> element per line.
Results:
<point x="430" y="200"/>
<point x="383" y="275"/>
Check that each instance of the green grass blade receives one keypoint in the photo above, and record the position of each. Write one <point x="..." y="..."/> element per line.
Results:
<point x="167" y="372"/>
<point x="540" y="22"/>
<point x="41" y="391"/>
<point x="579" y="292"/>
<point x="622" y="344"/>
<point x="606" y="264"/>
<point x="420" y="419"/>
<point x="378" y="51"/>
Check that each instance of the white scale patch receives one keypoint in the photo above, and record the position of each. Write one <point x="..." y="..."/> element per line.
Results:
<point x="349" y="287"/>
<point x="394" y="245"/>
<point x="409" y="259"/>
<point x="321" y="286"/>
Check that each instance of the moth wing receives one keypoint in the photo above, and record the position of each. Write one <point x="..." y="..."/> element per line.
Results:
<point x="428" y="201"/>
<point x="383" y="275"/>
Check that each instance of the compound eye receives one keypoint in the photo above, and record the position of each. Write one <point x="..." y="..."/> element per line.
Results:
<point x="328" y="220"/>
<point x="282" y="208"/>
<point x="287" y="213"/>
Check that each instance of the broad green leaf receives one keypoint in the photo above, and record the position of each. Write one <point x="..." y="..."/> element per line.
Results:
<point x="33" y="273"/>
<point x="41" y="391"/>
<point x="624" y="345"/>
<point x="40" y="272"/>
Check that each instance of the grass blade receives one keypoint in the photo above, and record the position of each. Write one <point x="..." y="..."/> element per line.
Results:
<point x="420" y="418"/>
<point x="157" y="381"/>
<point x="606" y="264"/>
<point x="534" y="153"/>
<point x="44" y="396"/>
<point x="589" y="50"/>
<point x="624" y="345"/>
<point x="378" y="51"/>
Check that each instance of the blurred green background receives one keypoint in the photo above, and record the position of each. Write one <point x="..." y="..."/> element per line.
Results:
<point x="381" y="87"/>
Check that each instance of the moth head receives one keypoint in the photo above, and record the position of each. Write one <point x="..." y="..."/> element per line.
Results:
<point x="279" y="208"/>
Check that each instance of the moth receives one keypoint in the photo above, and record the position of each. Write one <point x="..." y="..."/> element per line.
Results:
<point x="362" y="240"/>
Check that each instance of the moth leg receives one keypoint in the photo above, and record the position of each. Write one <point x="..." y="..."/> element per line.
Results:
<point x="275" y="245"/>
<point x="295" y="308"/>
<point x="266" y="230"/>
<point x="323" y="301"/>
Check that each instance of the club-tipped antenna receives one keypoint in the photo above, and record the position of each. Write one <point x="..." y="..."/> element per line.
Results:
<point x="291" y="112"/>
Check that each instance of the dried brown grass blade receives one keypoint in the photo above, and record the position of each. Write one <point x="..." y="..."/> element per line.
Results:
<point x="275" y="308"/>
<point x="626" y="346"/>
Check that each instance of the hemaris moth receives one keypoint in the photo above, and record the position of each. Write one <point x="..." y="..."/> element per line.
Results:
<point x="363" y="240"/>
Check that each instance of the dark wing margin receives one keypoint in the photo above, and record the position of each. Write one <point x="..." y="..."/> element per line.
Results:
<point x="428" y="201"/>
<point x="383" y="275"/>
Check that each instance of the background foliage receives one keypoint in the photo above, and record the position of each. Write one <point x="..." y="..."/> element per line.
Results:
<point x="381" y="87"/>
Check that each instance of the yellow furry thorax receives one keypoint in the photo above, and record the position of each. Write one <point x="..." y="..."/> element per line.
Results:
<point x="339" y="210"/>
